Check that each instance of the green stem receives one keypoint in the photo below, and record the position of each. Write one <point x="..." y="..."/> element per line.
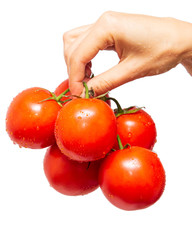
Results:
<point x="57" y="99"/>
<point x="67" y="100"/>
<point x="119" y="143"/>
<point x="62" y="94"/>
<point x="119" y="108"/>
<point x="121" y="147"/>
<point x="86" y="90"/>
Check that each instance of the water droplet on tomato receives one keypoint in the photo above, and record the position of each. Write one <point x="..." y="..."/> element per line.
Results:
<point x="129" y="135"/>
<point x="148" y="124"/>
<point x="110" y="195"/>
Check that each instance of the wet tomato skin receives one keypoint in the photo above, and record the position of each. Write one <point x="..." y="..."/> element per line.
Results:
<point x="137" y="129"/>
<point x="85" y="129"/>
<point x="70" y="177"/>
<point x="132" y="179"/>
<point x="61" y="88"/>
<point x="30" y="122"/>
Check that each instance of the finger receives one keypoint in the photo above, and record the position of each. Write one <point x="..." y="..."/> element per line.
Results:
<point x="71" y="35"/>
<point x="118" y="75"/>
<point x="71" y="39"/>
<point x="71" y="46"/>
<point x="83" y="54"/>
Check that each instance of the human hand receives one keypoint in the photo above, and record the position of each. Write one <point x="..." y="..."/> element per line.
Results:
<point x="145" y="45"/>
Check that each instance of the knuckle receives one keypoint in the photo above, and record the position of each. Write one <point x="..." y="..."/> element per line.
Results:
<point x="106" y="24"/>
<point x="70" y="36"/>
<point x="66" y="36"/>
<point x="106" y="16"/>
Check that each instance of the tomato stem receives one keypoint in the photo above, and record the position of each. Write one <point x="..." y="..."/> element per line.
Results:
<point x="119" y="143"/>
<point x="103" y="97"/>
<point x="67" y="100"/>
<point x="120" y="111"/>
<point x="121" y="147"/>
<point x="86" y="90"/>
<point x="62" y="95"/>
<point x="127" y="145"/>
<point x="57" y="98"/>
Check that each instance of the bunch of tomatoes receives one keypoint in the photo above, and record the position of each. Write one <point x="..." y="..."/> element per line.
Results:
<point x="90" y="145"/>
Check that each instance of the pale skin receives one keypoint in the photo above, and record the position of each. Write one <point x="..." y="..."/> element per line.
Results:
<point x="145" y="46"/>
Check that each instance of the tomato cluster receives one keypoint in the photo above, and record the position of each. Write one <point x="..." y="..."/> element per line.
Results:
<point x="90" y="145"/>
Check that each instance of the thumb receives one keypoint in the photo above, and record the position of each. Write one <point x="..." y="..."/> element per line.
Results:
<point x="118" y="75"/>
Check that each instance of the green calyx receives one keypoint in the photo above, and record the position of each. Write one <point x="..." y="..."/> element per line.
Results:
<point x="128" y="110"/>
<point x="119" y="110"/>
<point x="58" y="98"/>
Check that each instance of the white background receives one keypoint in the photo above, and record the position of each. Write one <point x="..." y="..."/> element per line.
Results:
<point x="31" y="54"/>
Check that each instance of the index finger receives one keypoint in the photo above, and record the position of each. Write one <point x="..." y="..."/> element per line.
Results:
<point x="96" y="40"/>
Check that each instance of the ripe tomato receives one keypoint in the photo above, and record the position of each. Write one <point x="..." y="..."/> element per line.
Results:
<point x="132" y="178"/>
<point x="85" y="129"/>
<point x="61" y="88"/>
<point x="70" y="177"/>
<point x="30" y="122"/>
<point x="137" y="129"/>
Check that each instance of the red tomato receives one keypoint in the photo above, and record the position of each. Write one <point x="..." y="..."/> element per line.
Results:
<point x="86" y="129"/>
<point x="30" y="122"/>
<point x="70" y="177"/>
<point x="64" y="86"/>
<point x="61" y="88"/>
<point x="132" y="179"/>
<point x="137" y="129"/>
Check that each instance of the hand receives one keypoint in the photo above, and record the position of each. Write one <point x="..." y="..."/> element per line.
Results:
<point x="145" y="45"/>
